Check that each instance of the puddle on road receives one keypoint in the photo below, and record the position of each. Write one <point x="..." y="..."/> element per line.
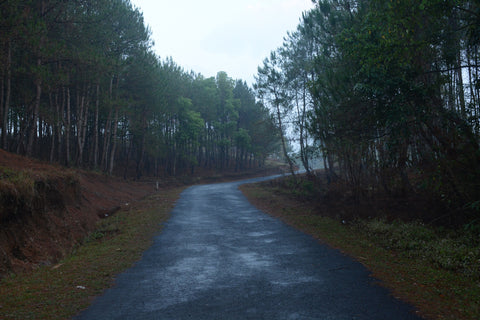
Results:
<point x="254" y="260"/>
<point x="288" y="281"/>
<point x="260" y="233"/>
<point x="270" y="240"/>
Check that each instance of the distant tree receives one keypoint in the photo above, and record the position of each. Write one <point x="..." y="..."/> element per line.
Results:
<point x="80" y="85"/>
<point x="271" y="88"/>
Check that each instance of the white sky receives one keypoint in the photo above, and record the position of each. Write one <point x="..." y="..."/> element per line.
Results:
<point x="208" y="36"/>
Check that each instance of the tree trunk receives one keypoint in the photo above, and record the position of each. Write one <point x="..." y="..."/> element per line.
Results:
<point x="6" y="106"/>
<point x="32" y="136"/>
<point x="82" y="116"/>
<point x="301" y="120"/>
<point x="114" y="142"/>
<point x="141" y="159"/>
<point x="282" y="138"/>
<point x="95" y="133"/>
<point x="60" y="111"/>
<point x="460" y="89"/>
<point x="68" y="127"/>
<point x="106" y="141"/>
<point x="108" y="126"/>
<point x="54" y="126"/>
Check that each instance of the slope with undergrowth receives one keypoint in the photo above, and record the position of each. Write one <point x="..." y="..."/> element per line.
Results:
<point x="47" y="210"/>
<point x="435" y="268"/>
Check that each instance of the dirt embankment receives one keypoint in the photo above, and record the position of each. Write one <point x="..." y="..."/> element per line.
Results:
<point x="45" y="210"/>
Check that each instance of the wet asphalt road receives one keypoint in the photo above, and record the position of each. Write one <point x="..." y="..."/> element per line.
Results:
<point x="220" y="258"/>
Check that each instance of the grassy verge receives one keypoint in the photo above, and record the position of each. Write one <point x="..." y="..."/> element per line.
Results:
<point x="61" y="291"/>
<point x="435" y="270"/>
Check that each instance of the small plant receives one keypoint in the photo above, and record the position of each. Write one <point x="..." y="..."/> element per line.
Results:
<point x="94" y="236"/>
<point x="21" y="181"/>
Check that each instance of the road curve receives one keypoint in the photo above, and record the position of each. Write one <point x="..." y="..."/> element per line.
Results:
<point x="218" y="257"/>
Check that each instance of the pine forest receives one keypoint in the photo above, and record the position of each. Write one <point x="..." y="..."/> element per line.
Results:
<point x="386" y="93"/>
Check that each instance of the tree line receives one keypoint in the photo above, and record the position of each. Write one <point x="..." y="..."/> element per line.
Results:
<point x="387" y="92"/>
<point x="80" y="85"/>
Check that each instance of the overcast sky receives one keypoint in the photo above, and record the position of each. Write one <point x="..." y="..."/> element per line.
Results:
<point x="208" y="36"/>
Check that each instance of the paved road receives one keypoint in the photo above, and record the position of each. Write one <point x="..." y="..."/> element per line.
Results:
<point x="220" y="258"/>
